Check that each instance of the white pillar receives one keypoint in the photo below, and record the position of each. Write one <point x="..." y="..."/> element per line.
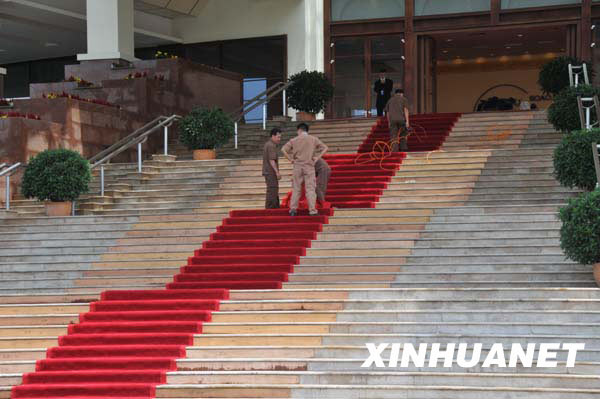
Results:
<point x="2" y="75"/>
<point x="314" y="35"/>
<point x="109" y="30"/>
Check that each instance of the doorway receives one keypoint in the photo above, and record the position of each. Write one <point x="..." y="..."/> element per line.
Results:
<point x="357" y="62"/>
<point x="494" y="70"/>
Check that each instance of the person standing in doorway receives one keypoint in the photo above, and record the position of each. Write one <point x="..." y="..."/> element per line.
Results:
<point x="270" y="169"/>
<point x="399" y="120"/>
<point x="303" y="152"/>
<point x="383" y="87"/>
<point x="323" y="172"/>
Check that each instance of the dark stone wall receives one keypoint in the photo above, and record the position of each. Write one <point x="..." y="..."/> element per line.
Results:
<point x="86" y="127"/>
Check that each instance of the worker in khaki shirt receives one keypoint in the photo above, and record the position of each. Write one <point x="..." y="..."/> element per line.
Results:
<point x="303" y="152"/>
<point x="397" y="112"/>
<point x="270" y="169"/>
<point x="323" y="172"/>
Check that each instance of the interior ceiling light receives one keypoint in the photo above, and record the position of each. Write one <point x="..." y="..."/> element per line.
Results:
<point x="520" y="35"/>
<point x="49" y="44"/>
<point x="445" y="51"/>
<point x="448" y="40"/>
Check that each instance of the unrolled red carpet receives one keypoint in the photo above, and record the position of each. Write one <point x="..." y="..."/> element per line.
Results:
<point x="128" y="341"/>
<point x="427" y="133"/>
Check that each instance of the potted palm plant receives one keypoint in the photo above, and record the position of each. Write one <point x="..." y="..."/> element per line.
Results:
<point x="57" y="177"/>
<point x="580" y="231"/>
<point x="203" y="130"/>
<point x="308" y="94"/>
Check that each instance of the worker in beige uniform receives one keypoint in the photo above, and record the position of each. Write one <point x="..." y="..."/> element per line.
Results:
<point x="270" y="169"/>
<point x="323" y="172"/>
<point x="303" y="152"/>
<point x="399" y="121"/>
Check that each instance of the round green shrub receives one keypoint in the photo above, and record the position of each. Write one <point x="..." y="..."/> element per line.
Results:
<point x="574" y="160"/>
<point x="554" y="75"/>
<point x="309" y="92"/>
<point x="580" y="231"/>
<point x="205" y="129"/>
<point x="563" y="113"/>
<point x="56" y="175"/>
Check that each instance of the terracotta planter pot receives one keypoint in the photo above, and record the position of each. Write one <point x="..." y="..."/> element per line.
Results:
<point x="58" y="208"/>
<point x="305" y="116"/>
<point x="202" y="155"/>
<point x="597" y="274"/>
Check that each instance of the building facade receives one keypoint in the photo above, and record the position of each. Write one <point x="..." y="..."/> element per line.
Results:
<point x="448" y="55"/>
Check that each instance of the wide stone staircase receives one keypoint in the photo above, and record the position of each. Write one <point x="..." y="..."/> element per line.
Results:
<point x="462" y="247"/>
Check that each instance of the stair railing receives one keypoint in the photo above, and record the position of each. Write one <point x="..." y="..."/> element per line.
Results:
<point x="7" y="171"/>
<point x="261" y="99"/>
<point x="138" y="137"/>
<point x="575" y="71"/>
<point x="585" y="105"/>
<point x="595" y="151"/>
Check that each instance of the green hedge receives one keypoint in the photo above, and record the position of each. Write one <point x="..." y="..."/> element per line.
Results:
<point x="56" y="175"/>
<point x="205" y="129"/>
<point x="309" y="92"/>
<point x="563" y="114"/>
<point x="574" y="160"/>
<point x="580" y="231"/>
<point x="554" y="75"/>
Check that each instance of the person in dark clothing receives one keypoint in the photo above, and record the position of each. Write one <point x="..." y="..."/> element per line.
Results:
<point x="270" y="169"/>
<point x="383" y="87"/>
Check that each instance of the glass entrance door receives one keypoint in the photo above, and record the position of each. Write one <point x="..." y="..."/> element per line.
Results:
<point x="349" y="68"/>
<point x="386" y="54"/>
<point x="356" y="66"/>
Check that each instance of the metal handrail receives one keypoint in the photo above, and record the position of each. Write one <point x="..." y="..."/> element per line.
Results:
<point x="585" y="115"/>
<point x="7" y="173"/>
<point x="261" y="99"/>
<point x="138" y="138"/>
<point x="125" y="139"/>
<point x="595" y="151"/>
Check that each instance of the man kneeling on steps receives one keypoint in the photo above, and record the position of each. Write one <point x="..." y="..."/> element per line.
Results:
<point x="303" y="152"/>
<point x="323" y="172"/>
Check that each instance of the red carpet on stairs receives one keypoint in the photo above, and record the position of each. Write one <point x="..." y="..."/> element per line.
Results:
<point x="128" y="341"/>
<point x="428" y="132"/>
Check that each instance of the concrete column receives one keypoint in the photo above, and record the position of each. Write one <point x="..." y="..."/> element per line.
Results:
<point x="2" y="75"/>
<point x="109" y="30"/>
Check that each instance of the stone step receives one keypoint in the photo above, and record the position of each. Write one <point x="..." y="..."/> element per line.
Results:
<point x="378" y="391"/>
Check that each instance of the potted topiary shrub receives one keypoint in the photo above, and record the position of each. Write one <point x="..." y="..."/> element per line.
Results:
<point x="580" y="231"/>
<point x="203" y="130"/>
<point x="574" y="161"/>
<point x="554" y="75"/>
<point x="57" y="177"/>
<point x="309" y="93"/>
<point x="563" y="113"/>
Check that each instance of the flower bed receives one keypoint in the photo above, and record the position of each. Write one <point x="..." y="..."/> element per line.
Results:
<point x="75" y="97"/>
<point x="164" y="54"/>
<point x="5" y="115"/>
<point x="139" y="75"/>
<point x="80" y="82"/>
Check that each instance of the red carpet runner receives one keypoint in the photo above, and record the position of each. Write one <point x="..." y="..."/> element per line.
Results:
<point x="428" y="132"/>
<point x="128" y="341"/>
